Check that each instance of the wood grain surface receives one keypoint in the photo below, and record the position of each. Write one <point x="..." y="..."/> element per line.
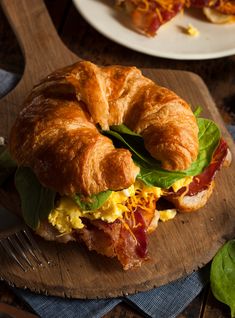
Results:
<point x="177" y="247"/>
<point x="42" y="48"/>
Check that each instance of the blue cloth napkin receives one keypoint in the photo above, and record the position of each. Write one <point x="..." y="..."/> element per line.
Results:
<point x="163" y="302"/>
<point x="8" y="80"/>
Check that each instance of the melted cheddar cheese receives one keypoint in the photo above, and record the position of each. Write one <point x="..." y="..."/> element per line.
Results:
<point x="164" y="4"/>
<point x="161" y="5"/>
<point x="67" y="215"/>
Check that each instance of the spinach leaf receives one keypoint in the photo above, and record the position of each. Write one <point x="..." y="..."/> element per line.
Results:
<point x="222" y="275"/>
<point x="93" y="202"/>
<point x="36" y="201"/>
<point x="157" y="177"/>
<point x="209" y="137"/>
<point x="134" y="143"/>
<point x="151" y="172"/>
<point x="122" y="129"/>
<point x="7" y="165"/>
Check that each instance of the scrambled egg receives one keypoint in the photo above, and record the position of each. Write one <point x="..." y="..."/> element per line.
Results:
<point x="191" y="30"/>
<point x="184" y="182"/>
<point x="167" y="215"/>
<point x="67" y="215"/>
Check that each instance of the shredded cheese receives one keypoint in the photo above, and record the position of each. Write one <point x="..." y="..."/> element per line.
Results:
<point x="144" y="5"/>
<point x="145" y="198"/>
<point x="166" y="5"/>
<point x="121" y="205"/>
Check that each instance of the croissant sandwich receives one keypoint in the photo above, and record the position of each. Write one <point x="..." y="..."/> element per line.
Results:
<point x="99" y="150"/>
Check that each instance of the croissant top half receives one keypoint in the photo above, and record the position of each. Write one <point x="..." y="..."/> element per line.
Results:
<point x="56" y="133"/>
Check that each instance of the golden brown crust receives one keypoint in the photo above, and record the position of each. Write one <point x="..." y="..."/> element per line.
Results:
<point x="66" y="151"/>
<point x="167" y="125"/>
<point x="56" y="133"/>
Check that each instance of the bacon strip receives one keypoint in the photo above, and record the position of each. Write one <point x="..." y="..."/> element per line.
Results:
<point x="203" y="180"/>
<point x="125" y="239"/>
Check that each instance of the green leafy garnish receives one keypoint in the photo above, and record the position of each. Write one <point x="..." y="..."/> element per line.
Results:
<point x="151" y="172"/>
<point x="222" y="275"/>
<point x="209" y="137"/>
<point x="122" y="129"/>
<point x="157" y="177"/>
<point x="93" y="202"/>
<point x="134" y="143"/>
<point x="36" y="200"/>
<point x="7" y="165"/>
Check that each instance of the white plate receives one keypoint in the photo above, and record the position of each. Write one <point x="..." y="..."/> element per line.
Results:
<point x="171" y="41"/>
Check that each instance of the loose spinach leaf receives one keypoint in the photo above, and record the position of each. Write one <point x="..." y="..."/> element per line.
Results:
<point x="222" y="275"/>
<point x="7" y="164"/>
<point x="151" y="172"/>
<point x="93" y="202"/>
<point x="36" y="201"/>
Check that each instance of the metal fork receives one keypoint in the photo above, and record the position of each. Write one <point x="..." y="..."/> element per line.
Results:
<point x="23" y="249"/>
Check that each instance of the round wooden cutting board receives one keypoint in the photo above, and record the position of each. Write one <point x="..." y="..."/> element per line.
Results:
<point x="176" y="248"/>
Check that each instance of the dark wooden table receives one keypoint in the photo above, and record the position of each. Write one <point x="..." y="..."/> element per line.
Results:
<point x="218" y="74"/>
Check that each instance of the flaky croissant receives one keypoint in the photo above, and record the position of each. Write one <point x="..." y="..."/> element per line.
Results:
<point x="57" y="135"/>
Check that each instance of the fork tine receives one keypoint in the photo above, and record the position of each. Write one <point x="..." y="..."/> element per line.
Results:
<point x="19" y="249"/>
<point x="25" y="243"/>
<point x="21" y="246"/>
<point x="7" y="247"/>
<point x="34" y="245"/>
